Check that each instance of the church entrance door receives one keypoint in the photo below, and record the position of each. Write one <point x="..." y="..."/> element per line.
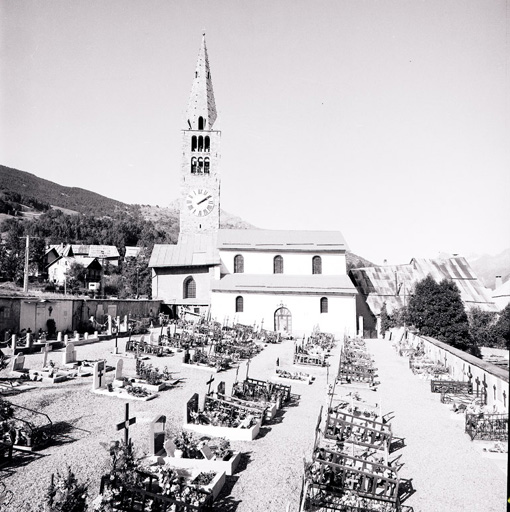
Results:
<point x="283" y="321"/>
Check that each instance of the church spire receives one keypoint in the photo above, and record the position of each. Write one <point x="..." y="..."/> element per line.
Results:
<point x="201" y="112"/>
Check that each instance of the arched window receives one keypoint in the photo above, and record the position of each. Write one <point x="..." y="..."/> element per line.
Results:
<point x="239" y="304"/>
<point x="324" y="305"/>
<point x="189" y="288"/>
<point x="194" y="143"/>
<point x="200" y="165"/>
<point x="238" y="264"/>
<point x="316" y="265"/>
<point x="278" y="265"/>
<point x="201" y="123"/>
<point x="193" y="165"/>
<point x="200" y="143"/>
<point x="206" y="165"/>
<point x="207" y="144"/>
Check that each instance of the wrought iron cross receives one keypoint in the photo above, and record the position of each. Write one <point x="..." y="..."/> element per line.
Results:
<point x="125" y="425"/>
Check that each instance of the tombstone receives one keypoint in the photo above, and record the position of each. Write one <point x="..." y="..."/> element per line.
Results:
<point x="169" y="447"/>
<point x="18" y="363"/>
<point x="28" y="342"/>
<point x="118" y="369"/>
<point x="45" y="350"/>
<point x="96" y="334"/>
<point x="99" y="378"/>
<point x="220" y="390"/>
<point x="157" y="436"/>
<point x="76" y="336"/>
<point x="13" y="343"/>
<point x="69" y="355"/>
<point x="59" y="336"/>
<point x="207" y="452"/>
<point x="85" y="335"/>
<point x="66" y="339"/>
<point x="191" y="406"/>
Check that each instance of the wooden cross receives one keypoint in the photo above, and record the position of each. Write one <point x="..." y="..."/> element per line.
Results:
<point x="125" y="425"/>
<point x="209" y="382"/>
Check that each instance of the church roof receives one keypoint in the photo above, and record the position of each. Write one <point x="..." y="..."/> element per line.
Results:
<point x="285" y="283"/>
<point x="201" y="101"/>
<point x="191" y="250"/>
<point x="281" y="240"/>
<point x="380" y="284"/>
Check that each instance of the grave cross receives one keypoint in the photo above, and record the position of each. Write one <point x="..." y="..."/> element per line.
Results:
<point x="100" y="373"/>
<point x="209" y="382"/>
<point x="125" y="425"/>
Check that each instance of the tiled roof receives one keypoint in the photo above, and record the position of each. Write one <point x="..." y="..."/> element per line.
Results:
<point x="191" y="250"/>
<point x="316" y="284"/>
<point x="96" y="251"/>
<point x="380" y="284"/>
<point x="281" y="240"/>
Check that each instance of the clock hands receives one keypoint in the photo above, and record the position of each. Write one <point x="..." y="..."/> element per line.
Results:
<point x="204" y="200"/>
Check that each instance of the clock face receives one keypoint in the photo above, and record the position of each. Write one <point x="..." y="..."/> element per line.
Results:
<point x="200" y="202"/>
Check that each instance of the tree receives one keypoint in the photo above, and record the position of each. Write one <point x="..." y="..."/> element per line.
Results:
<point x="502" y="328"/>
<point x="437" y="310"/>
<point x="482" y="327"/>
<point x="385" y="319"/>
<point x="76" y="276"/>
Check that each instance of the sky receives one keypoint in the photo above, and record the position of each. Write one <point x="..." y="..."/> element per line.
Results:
<point x="386" y="120"/>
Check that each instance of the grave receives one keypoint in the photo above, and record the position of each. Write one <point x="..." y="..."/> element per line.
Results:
<point x="231" y="427"/>
<point x="127" y="392"/>
<point x="69" y="356"/>
<point x="157" y="435"/>
<point x="18" y="366"/>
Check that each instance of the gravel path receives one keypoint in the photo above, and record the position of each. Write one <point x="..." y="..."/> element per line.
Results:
<point x="447" y="471"/>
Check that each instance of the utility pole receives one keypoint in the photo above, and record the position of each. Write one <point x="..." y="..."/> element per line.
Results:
<point x="25" y="276"/>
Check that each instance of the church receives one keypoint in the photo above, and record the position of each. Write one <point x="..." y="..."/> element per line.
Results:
<point x="287" y="281"/>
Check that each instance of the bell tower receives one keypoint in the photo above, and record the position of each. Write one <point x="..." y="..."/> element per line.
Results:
<point x="200" y="179"/>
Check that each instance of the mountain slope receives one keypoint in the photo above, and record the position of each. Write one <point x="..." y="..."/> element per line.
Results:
<point x="71" y="198"/>
<point x="487" y="267"/>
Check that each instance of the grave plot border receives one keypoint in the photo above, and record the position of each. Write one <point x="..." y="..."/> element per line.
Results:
<point x="367" y="432"/>
<point x="367" y="480"/>
<point x="231" y="433"/>
<point x="492" y="427"/>
<point x="309" y="360"/>
<point x="227" y="465"/>
<point x="257" y="384"/>
<point x="130" y="499"/>
<point x="456" y="387"/>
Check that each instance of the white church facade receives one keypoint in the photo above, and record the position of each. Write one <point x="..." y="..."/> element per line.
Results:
<point x="289" y="281"/>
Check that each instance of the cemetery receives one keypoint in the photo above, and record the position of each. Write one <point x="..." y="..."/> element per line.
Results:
<point x="197" y="443"/>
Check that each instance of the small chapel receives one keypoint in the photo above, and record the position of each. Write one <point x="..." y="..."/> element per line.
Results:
<point x="287" y="281"/>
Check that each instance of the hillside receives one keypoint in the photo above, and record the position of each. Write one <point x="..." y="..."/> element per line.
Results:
<point x="70" y="198"/>
<point x="487" y="267"/>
